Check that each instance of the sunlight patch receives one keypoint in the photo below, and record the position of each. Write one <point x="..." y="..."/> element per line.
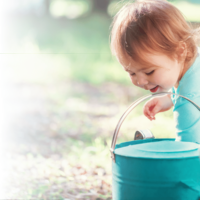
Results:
<point x="69" y="9"/>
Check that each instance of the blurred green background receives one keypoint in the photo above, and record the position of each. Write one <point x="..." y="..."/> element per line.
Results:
<point x="62" y="96"/>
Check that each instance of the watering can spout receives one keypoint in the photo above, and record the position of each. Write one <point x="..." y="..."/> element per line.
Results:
<point x="143" y="134"/>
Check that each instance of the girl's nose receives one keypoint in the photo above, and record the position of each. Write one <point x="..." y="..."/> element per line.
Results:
<point x="141" y="81"/>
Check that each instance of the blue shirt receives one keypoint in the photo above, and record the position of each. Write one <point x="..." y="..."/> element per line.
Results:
<point x="187" y="116"/>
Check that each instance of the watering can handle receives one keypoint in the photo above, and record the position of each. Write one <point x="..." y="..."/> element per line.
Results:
<point x="130" y="108"/>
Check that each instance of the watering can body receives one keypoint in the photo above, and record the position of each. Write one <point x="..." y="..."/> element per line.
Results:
<point x="146" y="169"/>
<point x="154" y="169"/>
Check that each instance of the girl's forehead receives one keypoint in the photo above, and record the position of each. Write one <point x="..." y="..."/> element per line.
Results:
<point x="156" y="60"/>
<point x="129" y="64"/>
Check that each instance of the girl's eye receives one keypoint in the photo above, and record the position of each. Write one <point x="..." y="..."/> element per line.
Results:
<point x="132" y="74"/>
<point x="150" y="73"/>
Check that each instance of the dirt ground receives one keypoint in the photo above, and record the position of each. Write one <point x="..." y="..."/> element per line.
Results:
<point x="56" y="139"/>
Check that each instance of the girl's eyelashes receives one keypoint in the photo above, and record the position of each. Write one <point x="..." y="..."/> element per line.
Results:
<point x="150" y="72"/>
<point x="145" y="73"/>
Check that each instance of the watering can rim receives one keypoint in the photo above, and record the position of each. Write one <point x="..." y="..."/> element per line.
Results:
<point x="163" y="149"/>
<point x="130" y="108"/>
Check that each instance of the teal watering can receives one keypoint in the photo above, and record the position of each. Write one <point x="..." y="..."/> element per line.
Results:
<point x="154" y="169"/>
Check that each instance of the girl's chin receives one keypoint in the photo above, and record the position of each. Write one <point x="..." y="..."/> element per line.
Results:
<point x="162" y="90"/>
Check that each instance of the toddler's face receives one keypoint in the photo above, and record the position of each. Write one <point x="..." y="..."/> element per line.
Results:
<point x="163" y="74"/>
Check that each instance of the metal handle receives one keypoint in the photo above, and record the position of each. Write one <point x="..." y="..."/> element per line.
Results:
<point x="130" y="108"/>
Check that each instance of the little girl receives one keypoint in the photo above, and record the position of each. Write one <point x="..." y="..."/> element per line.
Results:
<point x="158" y="49"/>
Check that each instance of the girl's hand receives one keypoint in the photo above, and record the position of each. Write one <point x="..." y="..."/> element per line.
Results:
<point x="156" y="105"/>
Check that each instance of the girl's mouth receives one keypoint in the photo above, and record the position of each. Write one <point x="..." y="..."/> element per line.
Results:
<point x="154" y="89"/>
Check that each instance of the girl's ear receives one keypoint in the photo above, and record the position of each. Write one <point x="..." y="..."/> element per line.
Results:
<point x="181" y="51"/>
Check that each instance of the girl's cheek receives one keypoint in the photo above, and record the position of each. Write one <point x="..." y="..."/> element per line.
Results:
<point x="157" y="77"/>
<point x="133" y="80"/>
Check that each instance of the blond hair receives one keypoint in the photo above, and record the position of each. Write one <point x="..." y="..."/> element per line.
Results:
<point x="148" y="26"/>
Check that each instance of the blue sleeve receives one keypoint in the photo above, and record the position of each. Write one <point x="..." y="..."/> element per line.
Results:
<point x="188" y="119"/>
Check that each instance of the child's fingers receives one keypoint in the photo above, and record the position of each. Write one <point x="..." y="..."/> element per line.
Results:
<point x="147" y="112"/>
<point x="150" y="109"/>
